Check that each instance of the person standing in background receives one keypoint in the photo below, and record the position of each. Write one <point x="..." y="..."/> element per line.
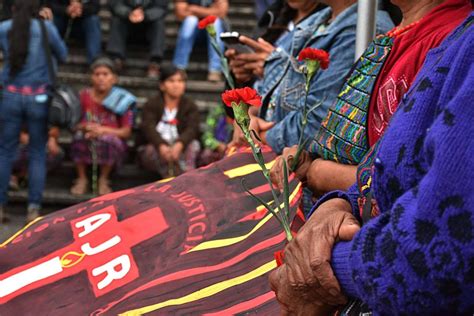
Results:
<point x="80" y="17"/>
<point x="190" y="12"/>
<point x="25" y="80"/>
<point x="131" y="13"/>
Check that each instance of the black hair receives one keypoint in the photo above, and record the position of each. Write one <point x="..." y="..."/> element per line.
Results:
<point x="19" y="34"/>
<point x="277" y="17"/>
<point x="168" y="71"/>
<point x="103" y="62"/>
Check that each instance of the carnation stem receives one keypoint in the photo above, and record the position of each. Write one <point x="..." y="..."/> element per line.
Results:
<point x="257" y="153"/>
<point x="224" y="64"/>
<point x="304" y="122"/>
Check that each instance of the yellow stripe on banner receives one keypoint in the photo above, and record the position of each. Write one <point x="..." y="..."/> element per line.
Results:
<point x="234" y="240"/>
<point x="165" y="180"/>
<point x="247" y="169"/>
<point x="205" y="292"/>
<point x="20" y="231"/>
<point x="230" y="241"/>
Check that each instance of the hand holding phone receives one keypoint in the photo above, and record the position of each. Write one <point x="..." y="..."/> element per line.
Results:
<point x="231" y="41"/>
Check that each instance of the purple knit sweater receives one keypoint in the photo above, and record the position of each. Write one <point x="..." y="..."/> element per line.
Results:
<point x="417" y="257"/>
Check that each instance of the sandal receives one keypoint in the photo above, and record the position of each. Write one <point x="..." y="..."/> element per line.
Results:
<point x="104" y="187"/>
<point x="79" y="187"/>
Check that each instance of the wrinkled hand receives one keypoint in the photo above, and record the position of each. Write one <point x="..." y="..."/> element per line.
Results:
<point x="137" y="16"/>
<point x="165" y="152"/>
<point x="291" y="302"/>
<point x="241" y="74"/>
<point x="46" y="13"/>
<point x="177" y="150"/>
<point x="53" y="146"/>
<point x="308" y="256"/>
<point x="288" y="155"/>
<point x="254" y="62"/>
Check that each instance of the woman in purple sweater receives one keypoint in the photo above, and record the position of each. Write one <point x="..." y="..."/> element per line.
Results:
<point x="415" y="254"/>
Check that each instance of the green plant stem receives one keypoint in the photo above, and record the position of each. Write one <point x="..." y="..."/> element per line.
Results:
<point x="224" y="64"/>
<point x="266" y="173"/>
<point x="304" y="122"/>
<point x="93" y="149"/>
<point x="94" y="167"/>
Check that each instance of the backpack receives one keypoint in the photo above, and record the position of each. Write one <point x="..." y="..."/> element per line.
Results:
<point x="64" y="103"/>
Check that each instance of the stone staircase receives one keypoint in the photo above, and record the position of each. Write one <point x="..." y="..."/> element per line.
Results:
<point x="75" y="72"/>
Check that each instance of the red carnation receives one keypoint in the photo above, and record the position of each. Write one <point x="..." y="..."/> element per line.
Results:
<point x="316" y="55"/>
<point x="279" y="257"/>
<point x="246" y="95"/>
<point x="207" y="21"/>
<point x="173" y="122"/>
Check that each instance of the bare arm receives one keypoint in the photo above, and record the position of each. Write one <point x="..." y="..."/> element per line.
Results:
<point x="121" y="132"/>
<point x="181" y="10"/>
<point x="219" y="8"/>
<point x="325" y="176"/>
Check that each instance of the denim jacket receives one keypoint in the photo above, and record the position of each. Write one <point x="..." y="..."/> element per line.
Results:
<point x="282" y="72"/>
<point x="35" y="69"/>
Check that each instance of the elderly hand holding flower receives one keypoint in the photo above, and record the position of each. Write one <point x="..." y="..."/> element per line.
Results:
<point x="313" y="60"/>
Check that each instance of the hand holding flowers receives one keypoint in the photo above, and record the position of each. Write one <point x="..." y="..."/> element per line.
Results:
<point x="314" y="59"/>
<point x="240" y="100"/>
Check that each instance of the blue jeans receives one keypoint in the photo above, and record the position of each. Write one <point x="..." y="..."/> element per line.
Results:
<point x="122" y="29"/>
<point x="14" y="109"/>
<point x="87" y="27"/>
<point x="188" y="33"/>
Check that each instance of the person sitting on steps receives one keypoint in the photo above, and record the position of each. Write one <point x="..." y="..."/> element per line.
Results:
<point x="189" y="12"/>
<point x="102" y="132"/>
<point x="127" y="14"/>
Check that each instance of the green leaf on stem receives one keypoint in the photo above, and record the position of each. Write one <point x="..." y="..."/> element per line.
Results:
<point x="262" y="202"/>
<point x="283" y="222"/>
<point x="257" y="137"/>
<point x="317" y="105"/>
<point x="286" y="190"/>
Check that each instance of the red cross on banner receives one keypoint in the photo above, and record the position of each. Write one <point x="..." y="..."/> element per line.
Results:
<point x="102" y="247"/>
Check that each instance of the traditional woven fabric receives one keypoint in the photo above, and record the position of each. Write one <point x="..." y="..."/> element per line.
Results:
<point x="110" y="150"/>
<point x="364" y="181"/>
<point x="194" y="245"/>
<point x="342" y="135"/>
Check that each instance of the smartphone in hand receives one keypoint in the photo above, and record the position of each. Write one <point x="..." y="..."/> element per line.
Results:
<point x="231" y="40"/>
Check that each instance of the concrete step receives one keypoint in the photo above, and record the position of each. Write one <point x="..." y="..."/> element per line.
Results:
<point x="144" y="87"/>
<point x="238" y="17"/>
<point x="137" y="65"/>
